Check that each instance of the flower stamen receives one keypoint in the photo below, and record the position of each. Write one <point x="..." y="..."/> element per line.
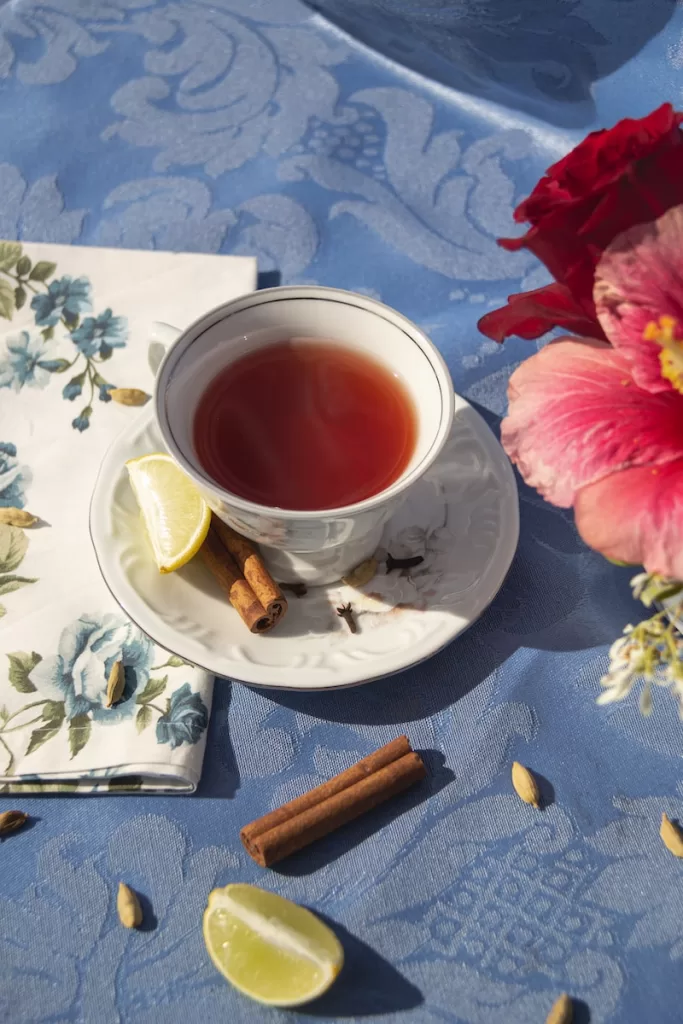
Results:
<point x="663" y="333"/>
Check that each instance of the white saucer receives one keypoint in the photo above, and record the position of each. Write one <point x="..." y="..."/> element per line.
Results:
<point x="463" y="517"/>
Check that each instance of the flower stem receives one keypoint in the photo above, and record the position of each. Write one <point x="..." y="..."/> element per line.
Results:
<point x="34" y="704"/>
<point x="92" y="382"/>
<point x="10" y="764"/>
<point x="24" y="725"/>
<point x="156" y="708"/>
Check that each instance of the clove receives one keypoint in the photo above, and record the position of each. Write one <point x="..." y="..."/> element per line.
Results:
<point x="346" y="613"/>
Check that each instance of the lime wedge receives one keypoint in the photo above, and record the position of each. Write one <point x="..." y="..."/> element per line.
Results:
<point x="175" y="514"/>
<point x="268" y="947"/>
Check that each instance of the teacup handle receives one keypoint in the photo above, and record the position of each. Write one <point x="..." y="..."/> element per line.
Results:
<point x="161" y="336"/>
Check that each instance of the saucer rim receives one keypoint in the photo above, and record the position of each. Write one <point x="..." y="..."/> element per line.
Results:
<point x="505" y="558"/>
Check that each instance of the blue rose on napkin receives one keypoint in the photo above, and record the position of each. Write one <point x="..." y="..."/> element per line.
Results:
<point x="88" y="649"/>
<point x="99" y="335"/>
<point x="13" y="477"/>
<point x="64" y="298"/>
<point x="185" y="720"/>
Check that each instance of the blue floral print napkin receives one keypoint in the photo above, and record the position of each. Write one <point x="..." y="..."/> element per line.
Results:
<point x="74" y="324"/>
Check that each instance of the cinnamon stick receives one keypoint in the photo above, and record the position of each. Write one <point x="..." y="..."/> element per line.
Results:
<point x="239" y="593"/>
<point x="251" y="565"/>
<point x="314" y="814"/>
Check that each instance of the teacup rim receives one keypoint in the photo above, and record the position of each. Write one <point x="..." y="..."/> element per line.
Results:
<point x="213" y="316"/>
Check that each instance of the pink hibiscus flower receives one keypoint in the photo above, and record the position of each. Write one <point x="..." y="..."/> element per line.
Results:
<point x="600" y="427"/>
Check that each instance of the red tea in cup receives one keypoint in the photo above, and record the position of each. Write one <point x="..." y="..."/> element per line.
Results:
<point x="305" y="425"/>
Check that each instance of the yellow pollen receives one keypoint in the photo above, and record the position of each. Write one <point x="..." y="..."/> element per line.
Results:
<point x="663" y="333"/>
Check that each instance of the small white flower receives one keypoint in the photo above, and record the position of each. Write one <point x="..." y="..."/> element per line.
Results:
<point x="638" y="583"/>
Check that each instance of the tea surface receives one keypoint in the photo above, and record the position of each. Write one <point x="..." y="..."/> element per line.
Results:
<point x="305" y="425"/>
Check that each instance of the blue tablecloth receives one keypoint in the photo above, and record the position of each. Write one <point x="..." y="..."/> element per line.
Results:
<point x="257" y="126"/>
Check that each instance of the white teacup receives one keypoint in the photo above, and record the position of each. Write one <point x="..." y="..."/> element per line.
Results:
<point x="320" y="546"/>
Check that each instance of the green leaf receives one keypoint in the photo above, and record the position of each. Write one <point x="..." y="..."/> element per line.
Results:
<point x="658" y="588"/>
<point x="152" y="690"/>
<point x="23" y="266"/>
<point x="143" y="718"/>
<point x="13" y="545"/>
<point x="4" y="714"/>
<point x="21" y="664"/>
<point x="3" y="610"/>
<point x="53" y="716"/>
<point x="19" y="297"/>
<point x="53" y="711"/>
<point x="42" y="270"/>
<point x="125" y="784"/>
<point x="662" y="594"/>
<point x="6" y="300"/>
<point x="11" y="583"/>
<point x="175" y="661"/>
<point x="10" y="252"/>
<point x="48" y="333"/>
<point x="79" y="733"/>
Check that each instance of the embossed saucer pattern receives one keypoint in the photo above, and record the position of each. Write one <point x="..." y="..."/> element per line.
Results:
<point x="462" y="518"/>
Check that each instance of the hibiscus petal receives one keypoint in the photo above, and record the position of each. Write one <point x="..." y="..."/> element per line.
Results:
<point x="576" y="415"/>
<point x="636" y="516"/>
<point x="638" y="279"/>
<point x="531" y="314"/>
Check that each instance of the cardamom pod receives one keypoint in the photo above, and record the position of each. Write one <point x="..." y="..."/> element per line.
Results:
<point x="362" y="574"/>
<point x="10" y="821"/>
<point x="129" y="396"/>
<point x="525" y="785"/>
<point x="672" y="837"/>
<point x="115" y="684"/>
<point x="561" y="1011"/>
<point x="17" y="517"/>
<point x="128" y="907"/>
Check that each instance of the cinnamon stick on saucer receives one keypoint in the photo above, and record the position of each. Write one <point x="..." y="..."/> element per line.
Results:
<point x="251" y="565"/>
<point x="239" y="593"/>
<point x="368" y="783"/>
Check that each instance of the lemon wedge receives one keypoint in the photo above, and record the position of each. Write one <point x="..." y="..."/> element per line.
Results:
<point x="269" y="948"/>
<point x="175" y="514"/>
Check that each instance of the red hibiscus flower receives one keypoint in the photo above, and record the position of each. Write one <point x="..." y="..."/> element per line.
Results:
<point x="613" y="180"/>
<point x="600" y="426"/>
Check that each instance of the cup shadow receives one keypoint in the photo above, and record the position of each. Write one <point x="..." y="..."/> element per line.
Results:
<point x="546" y="63"/>
<point x="268" y="279"/>
<point x="368" y="984"/>
<point x="330" y="848"/>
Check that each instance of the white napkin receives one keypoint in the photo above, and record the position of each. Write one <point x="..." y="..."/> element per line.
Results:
<point x="75" y="321"/>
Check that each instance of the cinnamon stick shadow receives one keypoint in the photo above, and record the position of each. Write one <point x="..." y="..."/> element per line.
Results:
<point x="328" y="849"/>
<point x="367" y="985"/>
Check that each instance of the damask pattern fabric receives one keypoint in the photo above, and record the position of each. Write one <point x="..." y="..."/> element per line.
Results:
<point x="261" y="128"/>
